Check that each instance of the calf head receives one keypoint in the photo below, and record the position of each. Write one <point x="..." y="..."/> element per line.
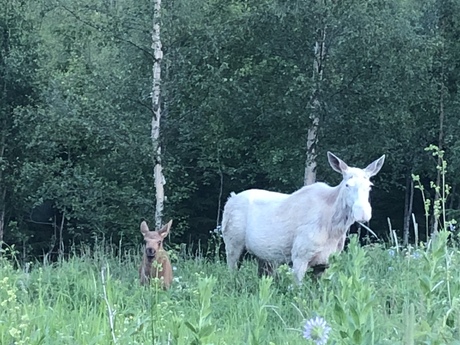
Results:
<point x="154" y="239"/>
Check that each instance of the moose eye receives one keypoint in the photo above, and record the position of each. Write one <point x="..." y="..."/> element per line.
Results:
<point x="350" y="183"/>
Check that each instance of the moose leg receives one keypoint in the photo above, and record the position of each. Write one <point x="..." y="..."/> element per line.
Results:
<point x="233" y="248"/>
<point x="300" y="267"/>
<point x="302" y="257"/>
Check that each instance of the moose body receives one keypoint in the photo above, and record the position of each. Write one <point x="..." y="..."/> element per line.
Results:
<point x="304" y="227"/>
<point x="155" y="261"/>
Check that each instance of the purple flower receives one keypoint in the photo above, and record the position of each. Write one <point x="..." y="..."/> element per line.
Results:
<point x="416" y="255"/>
<point x="317" y="330"/>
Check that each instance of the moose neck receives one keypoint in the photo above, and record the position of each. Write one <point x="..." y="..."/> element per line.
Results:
<point x="342" y="217"/>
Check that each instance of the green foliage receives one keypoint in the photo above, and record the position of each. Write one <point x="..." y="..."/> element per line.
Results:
<point x="441" y="191"/>
<point x="260" y="313"/>
<point x="79" y="145"/>
<point x="352" y="296"/>
<point x="368" y="295"/>
<point x="204" y="328"/>
<point x="237" y="80"/>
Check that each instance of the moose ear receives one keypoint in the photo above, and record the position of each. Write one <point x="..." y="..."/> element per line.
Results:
<point x="164" y="231"/>
<point x="144" y="228"/>
<point x="336" y="163"/>
<point x="373" y="168"/>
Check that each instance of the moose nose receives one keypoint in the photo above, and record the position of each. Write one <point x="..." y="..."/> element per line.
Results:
<point x="362" y="213"/>
<point x="150" y="252"/>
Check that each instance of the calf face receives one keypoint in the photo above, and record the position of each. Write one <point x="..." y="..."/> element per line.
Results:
<point x="155" y="263"/>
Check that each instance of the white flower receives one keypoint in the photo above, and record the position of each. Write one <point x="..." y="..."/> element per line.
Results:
<point x="317" y="330"/>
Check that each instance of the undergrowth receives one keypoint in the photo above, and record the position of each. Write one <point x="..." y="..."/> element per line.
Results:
<point x="369" y="295"/>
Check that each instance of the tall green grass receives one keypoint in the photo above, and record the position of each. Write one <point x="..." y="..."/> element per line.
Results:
<point x="369" y="295"/>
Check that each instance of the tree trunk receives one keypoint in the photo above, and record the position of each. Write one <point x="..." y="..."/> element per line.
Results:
<point x="61" y="239"/>
<point x="310" y="163"/>
<point x="408" y="203"/>
<point x="221" y="191"/>
<point x="439" y="182"/>
<point x="2" y="188"/>
<point x="315" y="107"/>
<point x="2" y="215"/>
<point x="4" y="115"/>
<point x="156" y="109"/>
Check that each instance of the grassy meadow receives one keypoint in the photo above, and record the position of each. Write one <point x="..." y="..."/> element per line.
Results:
<point x="369" y="295"/>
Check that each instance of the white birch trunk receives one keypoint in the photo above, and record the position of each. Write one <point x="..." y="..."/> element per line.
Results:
<point x="315" y="107"/>
<point x="2" y="215"/>
<point x="438" y="198"/>
<point x="310" y="163"/>
<point x="156" y="108"/>
<point x="2" y="182"/>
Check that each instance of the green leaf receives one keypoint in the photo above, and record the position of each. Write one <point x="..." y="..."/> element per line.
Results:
<point x="206" y="331"/>
<point x="425" y="284"/>
<point x="357" y="336"/>
<point x="355" y="317"/>
<point x="190" y="326"/>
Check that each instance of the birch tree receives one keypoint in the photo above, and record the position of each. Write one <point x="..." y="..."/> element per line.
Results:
<point x="439" y="71"/>
<point x="315" y="106"/>
<point x="315" y="102"/>
<point x="439" y="201"/>
<point x="4" y="114"/>
<point x="2" y="184"/>
<point x="156" y="110"/>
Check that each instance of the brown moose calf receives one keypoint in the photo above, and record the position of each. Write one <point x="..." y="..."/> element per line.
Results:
<point x="155" y="262"/>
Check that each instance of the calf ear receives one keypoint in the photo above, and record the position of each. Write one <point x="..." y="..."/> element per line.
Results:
<point x="336" y="163"/>
<point x="164" y="231"/>
<point x="144" y="228"/>
<point x="373" y="168"/>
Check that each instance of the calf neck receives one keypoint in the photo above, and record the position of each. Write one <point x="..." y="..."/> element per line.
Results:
<point x="155" y="261"/>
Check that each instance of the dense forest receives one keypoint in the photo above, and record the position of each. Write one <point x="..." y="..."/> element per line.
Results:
<point x="244" y="82"/>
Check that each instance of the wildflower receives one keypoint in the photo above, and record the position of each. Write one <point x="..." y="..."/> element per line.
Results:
<point x="317" y="330"/>
<point x="391" y="252"/>
<point x="416" y="255"/>
<point x="217" y="230"/>
<point x="15" y="333"/>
